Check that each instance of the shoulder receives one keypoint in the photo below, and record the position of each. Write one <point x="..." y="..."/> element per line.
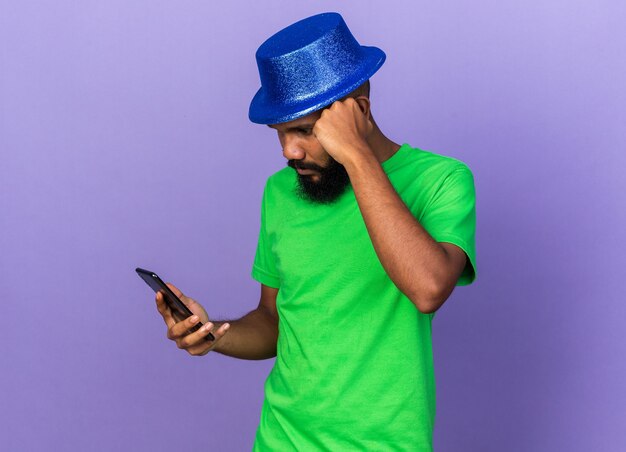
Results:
<point x="433" y="169"/>
<point x="444" y="164"/>
<point x="278" y="189"/>
<point x="280" y="180"/>
<point x="428" y="179"/>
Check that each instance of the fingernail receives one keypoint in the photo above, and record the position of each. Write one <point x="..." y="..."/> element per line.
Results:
<point x="207" y="326"/>
<point x="226" y="326"/>
<point x="194" y="319"/>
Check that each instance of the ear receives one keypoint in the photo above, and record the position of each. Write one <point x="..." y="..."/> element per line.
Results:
<point x="364" y="104"/>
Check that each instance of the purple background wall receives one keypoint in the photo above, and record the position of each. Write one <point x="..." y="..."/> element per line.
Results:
<point x="125" y="142"/>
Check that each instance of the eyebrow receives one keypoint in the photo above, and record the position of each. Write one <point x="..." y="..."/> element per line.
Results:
<point x="301" y="126"/>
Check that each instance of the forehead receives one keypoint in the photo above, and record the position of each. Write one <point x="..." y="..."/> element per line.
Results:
<point x="305" y="121"/>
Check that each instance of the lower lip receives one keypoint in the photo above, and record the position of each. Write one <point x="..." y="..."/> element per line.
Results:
<point x="305" y="172"/>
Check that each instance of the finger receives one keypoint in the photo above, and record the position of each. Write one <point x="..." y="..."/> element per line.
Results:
<point x="164" y="310"/>
<point x="179" y="329"/>
<point x="221" y="331"/>
<point x="185" y="299"/>
<point x="203" y="347"/>
<point x="175" y="289"/>
<point x="201" y="335"/>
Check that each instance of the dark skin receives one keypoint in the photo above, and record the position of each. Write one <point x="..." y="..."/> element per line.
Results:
<point x="177" y="328"/>
<point x="253" y="336"/>
<point x="300" y="143"/>
<point x="426" y="271"/>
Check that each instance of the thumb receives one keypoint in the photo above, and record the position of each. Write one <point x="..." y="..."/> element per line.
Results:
<point x="175" y="289"/>
<point x="179" y="294"/>
<point x="189" y="302"/>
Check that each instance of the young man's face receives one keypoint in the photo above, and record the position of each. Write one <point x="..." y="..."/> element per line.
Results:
<point x="321" y="179"/>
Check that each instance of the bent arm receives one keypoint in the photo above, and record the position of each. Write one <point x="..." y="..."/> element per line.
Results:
<point x="254" y="335"/>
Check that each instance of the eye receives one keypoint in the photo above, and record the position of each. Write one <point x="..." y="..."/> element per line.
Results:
<point x="304" y="131"/>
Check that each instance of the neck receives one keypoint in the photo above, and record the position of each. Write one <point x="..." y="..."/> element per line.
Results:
<point x="382" y="146"/>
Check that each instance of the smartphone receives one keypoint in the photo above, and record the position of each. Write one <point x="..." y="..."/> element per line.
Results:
<point x="175" y="304"/>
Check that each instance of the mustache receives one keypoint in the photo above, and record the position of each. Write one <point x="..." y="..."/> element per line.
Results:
<point x="297" y="164"/>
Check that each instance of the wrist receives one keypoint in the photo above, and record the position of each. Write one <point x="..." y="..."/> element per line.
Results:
<point x="362" y="157"/>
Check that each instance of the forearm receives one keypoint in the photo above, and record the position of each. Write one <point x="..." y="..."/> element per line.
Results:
<point x="253" y="336"/>
<point x="410" y="256"/>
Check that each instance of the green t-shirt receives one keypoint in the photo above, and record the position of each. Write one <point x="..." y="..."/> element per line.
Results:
<point x="354" y="364"/>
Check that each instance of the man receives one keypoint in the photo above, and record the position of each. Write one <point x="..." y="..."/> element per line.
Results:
<point x="361" y="241"/>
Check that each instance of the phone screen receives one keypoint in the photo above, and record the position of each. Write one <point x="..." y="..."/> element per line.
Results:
<point x="178" y="308"/>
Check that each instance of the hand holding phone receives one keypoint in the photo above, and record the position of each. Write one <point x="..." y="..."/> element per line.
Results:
<point x="178" y="312"/>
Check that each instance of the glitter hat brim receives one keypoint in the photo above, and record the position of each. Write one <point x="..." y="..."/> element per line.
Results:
<point x="264" y="111"/>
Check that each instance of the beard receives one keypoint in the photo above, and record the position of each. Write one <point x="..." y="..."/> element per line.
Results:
<point x="332" y="181"/>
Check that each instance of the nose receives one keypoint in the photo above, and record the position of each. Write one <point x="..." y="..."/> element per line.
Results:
<point x="292" y="149"/>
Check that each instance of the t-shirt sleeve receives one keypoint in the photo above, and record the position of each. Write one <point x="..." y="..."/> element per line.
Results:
<point x="264" y="266"/>
<point x="451" y="217"/>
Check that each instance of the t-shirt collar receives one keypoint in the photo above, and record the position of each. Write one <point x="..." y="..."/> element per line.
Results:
<point x="392" y="162"/>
